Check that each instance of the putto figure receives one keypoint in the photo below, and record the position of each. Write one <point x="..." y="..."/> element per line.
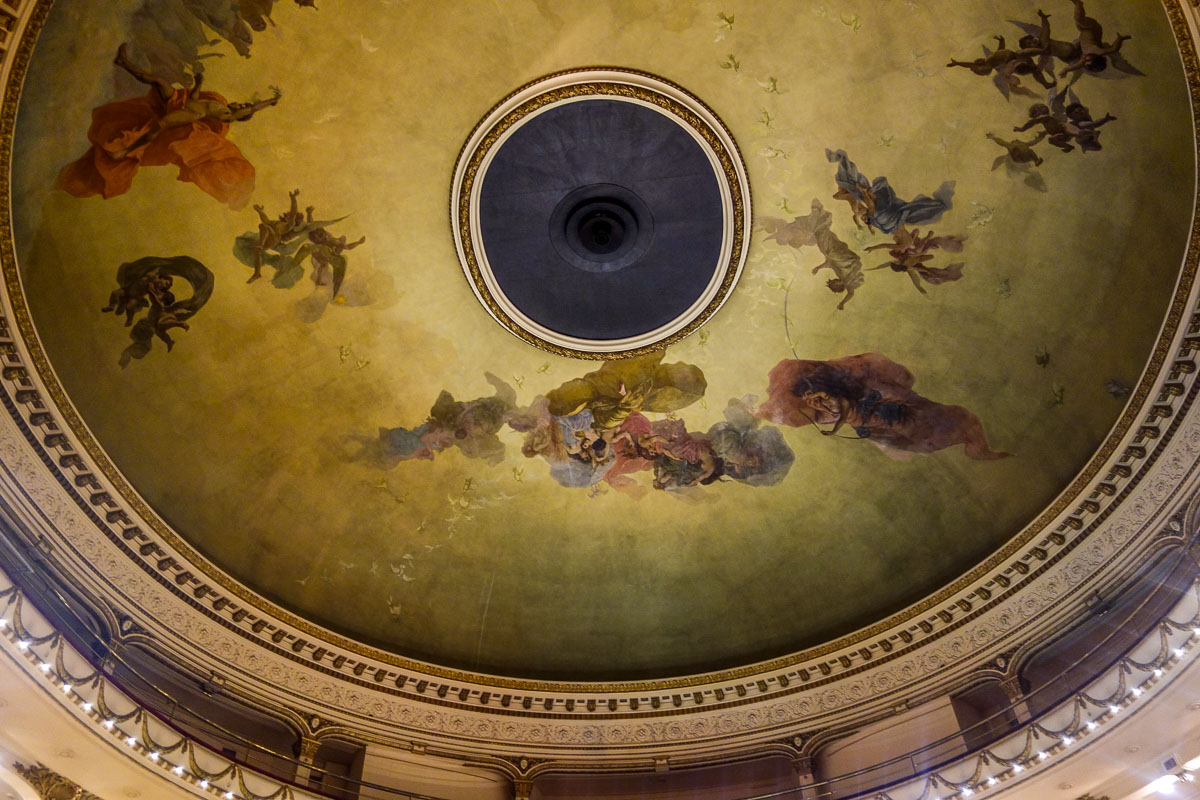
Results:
<point x="910" y="252"/>
<point x="1069" y="125"/>
<point x="286" y="242"/>
<point x="1093" y="50"/>
<point x="183" y="127"/>
<point x="149" y="284"/>
<point x="1009" y="66"/>
<point x="876" y="203"/>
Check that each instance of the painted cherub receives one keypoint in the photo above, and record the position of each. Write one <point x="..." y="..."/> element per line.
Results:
<point x="1093" y="51"/>
<point x="1009" y="66"/>
<point x="326" y="251"/>
<point x="148" y="283"/>
<point x="275" y="232"/>
<point x="1067" y="124"/>
<point x="910" y="253"/>
<point x="1017" y="151"/>
<point x="154" y="287"/>
<point x="1038" y="38"/>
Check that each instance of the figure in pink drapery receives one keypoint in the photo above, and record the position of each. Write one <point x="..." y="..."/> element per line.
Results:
<point x="184" y="127"/>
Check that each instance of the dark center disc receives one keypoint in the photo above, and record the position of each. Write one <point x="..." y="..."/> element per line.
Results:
<point x="602" y="219"/>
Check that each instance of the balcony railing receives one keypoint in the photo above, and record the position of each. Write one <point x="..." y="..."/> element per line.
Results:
<point x="88" y="688"/>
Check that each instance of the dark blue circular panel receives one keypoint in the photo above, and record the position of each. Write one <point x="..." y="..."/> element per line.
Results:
<point x="587" y="182"/>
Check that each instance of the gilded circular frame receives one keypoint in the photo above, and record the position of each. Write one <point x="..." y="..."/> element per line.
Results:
<point x="571" y="86"/>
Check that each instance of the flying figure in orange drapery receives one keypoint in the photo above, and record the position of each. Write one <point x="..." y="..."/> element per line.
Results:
<point x="181" y="126"/>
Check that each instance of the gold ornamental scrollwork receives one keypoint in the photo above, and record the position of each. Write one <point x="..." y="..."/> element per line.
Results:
<point x="50" y="785"/>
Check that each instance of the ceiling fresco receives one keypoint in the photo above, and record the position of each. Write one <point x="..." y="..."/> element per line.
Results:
<point x="968" y="224"/>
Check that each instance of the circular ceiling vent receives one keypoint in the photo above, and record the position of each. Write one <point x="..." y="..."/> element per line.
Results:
<point x="601" y="213"/>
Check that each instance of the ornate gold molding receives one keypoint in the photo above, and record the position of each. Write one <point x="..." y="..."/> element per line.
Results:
<point x="50" y="785"/>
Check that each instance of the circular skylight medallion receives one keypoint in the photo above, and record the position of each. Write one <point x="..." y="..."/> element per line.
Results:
<point x="601" y="213"/>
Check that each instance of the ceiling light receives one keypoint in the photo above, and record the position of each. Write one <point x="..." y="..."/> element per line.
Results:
<point x="1017" y="768"/>
<point x="1178" y="651"/>
<point x="87" y="707"/>
<point x="992" y="781"/>
<point x="1091" y="726"/>
<point x="204" y="784"/>
<point x="1068" y="741"/>
<point x="129" y="740"/>
<point x="1042" y="756"/>
<point x="66" y="687"/>
<point x="3" y="623"/>
<point x="1158" y="673"/>
<point x="1164" y="785"/>
<point x="1187" y="776"/>
<point x="23" y="645"/>
<point x="108" y="723"/>
<point x="229" y="796"/>
<point x="966" y="792"/>
<point x="154" y="756"/>
<point x="44" y="667"/>
<point x="1137" y="692"/>
<point x="1114" y="709"/>
<point x="178" y="770"/>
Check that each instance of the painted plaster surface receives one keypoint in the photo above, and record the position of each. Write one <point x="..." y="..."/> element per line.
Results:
<point x="257" y="435"/>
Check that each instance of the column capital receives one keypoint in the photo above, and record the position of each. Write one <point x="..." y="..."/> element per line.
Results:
<point x="306" y="748"/>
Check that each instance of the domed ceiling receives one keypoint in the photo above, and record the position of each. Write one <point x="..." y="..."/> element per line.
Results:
<point x="937" y="326"/>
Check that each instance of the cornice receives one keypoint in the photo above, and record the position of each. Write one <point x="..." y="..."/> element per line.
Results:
<point x="59" y="487"/>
